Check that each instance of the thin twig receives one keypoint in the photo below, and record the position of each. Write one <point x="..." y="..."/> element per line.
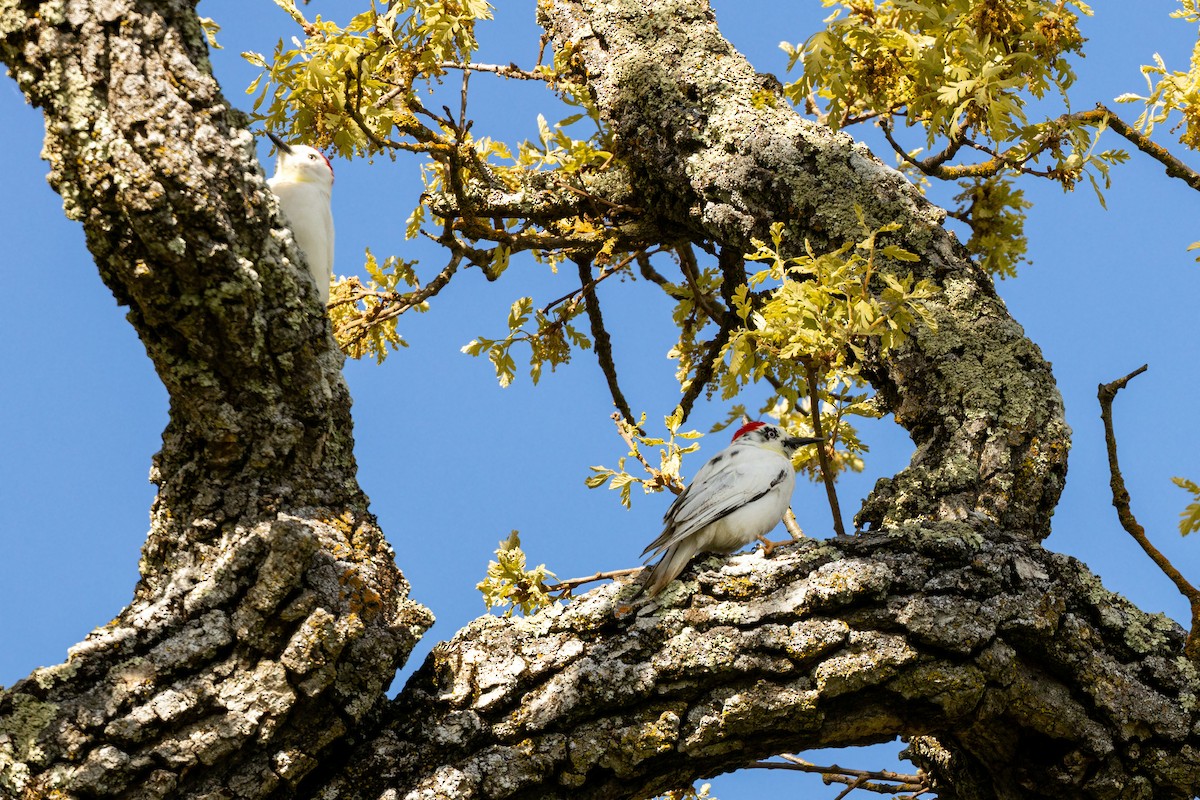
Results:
<point x="353" y="108"/>
<point x="691" y="271"/>
<point x="733" y="275"/>
<point x="600" y="338"/>
<point x="674" y="486"/>
<point x="462" y="111"/>
<point x="571" y="583"/>
<point x="814" y="411"/>
<point x="393" y="304"/>
<point x="868" y="780"/>
<point x="1175" y="167"/>
<point x="503" y="70"/>
<point x="590" y="286"/>
<point x="1100" y="115"/>
<point x="850" y="787"/>
<point x="1106" y="392"/>
<point x="613" y="208"/>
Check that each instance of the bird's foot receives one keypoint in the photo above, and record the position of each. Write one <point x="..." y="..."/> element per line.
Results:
<point x="768" y="545"/>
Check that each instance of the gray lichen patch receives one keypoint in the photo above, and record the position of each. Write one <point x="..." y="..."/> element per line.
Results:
<point x="871" y="658"/>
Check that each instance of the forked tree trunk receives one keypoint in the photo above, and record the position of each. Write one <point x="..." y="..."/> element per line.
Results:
<point x="269" y="616"/>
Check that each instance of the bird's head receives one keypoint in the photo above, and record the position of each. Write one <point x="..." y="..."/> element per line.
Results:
<point x="301" y="163"/>
<point x="772" y="437"/>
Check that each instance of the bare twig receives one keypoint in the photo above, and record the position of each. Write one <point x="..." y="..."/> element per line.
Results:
<point x="591" y="284"/>
<point x="572" y="583"/>
<point x="503" y="70"/>
<point x="462" y="111"/>
<point x="733" y="275"/>
<point x="600" y="338"/>
<point x="867" y="780"/>
<point x="1106" y="392"/>
<point x="814" y="411"/>
<point x="353" y="106"/>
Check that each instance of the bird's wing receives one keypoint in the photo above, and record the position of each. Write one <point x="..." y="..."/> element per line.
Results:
<point x="733" y="478"/>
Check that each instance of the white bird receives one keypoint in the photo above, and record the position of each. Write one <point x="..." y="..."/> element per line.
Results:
<point x="303" y="182"/>
<point x="737" y="497"/>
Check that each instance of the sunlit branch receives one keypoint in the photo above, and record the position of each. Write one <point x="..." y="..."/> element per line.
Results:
<point x="1017" y="159"/>
<point x="393" y="304"/>
<point x="814" y="413"/>
<point x="572" y="583"/>
<point x="353" y="105"/>
<point x="591" y="284"/>
<point x="1174" y="167"/>
<point x="477" y="257"/>
<point x="669" y="482"/>
<point x="503" y="70"/>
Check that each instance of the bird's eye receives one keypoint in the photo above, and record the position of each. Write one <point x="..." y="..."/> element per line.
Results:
<point x="771" y="433"/>
<point x="312" y="157"/>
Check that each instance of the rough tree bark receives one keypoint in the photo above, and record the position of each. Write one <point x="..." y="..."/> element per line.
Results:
<point x="269" y="616"/>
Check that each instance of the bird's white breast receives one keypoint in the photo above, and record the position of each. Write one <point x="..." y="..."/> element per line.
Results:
<point x="306" y="206"/>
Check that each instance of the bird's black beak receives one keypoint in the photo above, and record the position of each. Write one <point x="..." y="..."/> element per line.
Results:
<point x="280" y="143"/>
<point x="794" y="443"/>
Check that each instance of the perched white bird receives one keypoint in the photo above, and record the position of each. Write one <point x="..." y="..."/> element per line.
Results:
<point x="303" y="183"/>
<point x="737" y="497"/>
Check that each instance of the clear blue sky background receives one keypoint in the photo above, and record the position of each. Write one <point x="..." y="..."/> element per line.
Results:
<point x="452" y="462"/>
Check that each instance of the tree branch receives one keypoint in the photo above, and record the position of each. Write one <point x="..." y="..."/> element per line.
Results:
<point x="1106" y="393"/>
<point x="1174" y="167"/>
<point x="269" y="605"/>
<point x="691" y="272"/>
<point x="1019" y="662"/>
<point x="771" y="165"/>
<point x="827" y="476"/>
<point x="733" y="275"/>
<point x="600" y="338"/>
<point x="573" y="583"/>
<point x="867" y="780"/>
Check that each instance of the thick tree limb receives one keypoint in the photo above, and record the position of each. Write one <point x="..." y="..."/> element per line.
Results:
<point x="270" y="616"/>
<point x="1013" y="657"/>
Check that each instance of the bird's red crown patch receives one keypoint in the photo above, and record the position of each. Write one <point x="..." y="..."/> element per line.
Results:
<point x="749" y="426"/>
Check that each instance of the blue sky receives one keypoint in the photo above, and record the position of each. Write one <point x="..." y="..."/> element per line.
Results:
<point x="452" y="462"/>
